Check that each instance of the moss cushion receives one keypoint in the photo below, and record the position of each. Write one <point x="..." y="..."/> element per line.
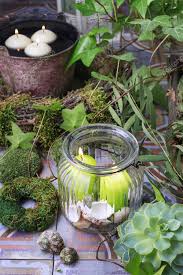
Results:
<point x="19" y="163"/>
<point x="39" y="218"/>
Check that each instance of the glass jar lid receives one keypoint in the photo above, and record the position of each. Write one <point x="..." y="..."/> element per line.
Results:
<point x="113" y="148"/>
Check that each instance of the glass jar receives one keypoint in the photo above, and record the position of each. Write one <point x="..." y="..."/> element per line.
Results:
<point x="99" y="184"/>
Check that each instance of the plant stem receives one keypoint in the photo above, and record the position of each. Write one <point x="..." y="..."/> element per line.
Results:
<point x="107" y="13"/>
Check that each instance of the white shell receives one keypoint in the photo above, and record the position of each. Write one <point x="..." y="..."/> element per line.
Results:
<point x="101" y="210"/>
<point x="37" y="49"/>
<point x="73" y="213"/>
<point x="17" y="42"/>
<point x="121" y="215"/>
<point x="45" y="36"/>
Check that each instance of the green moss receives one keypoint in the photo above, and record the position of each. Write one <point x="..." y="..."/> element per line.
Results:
<point x="7" y="115"/>
<point x="19" y="163"/>
<point x="14" y="216"/>
<point x="50" y="129"/>
<point x="95" y="101"/>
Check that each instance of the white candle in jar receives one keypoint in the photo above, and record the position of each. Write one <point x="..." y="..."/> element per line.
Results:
<point x="37" y="49"/>
<point x="17" y="41"/>
<point x="44" y="35"/>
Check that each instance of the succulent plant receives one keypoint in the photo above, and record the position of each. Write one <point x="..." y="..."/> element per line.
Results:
<point x="152" y="240"/>
<point x="51" y="241"/>
<point x="69" y="255"/>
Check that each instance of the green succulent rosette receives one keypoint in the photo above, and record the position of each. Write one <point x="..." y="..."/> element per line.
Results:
<point x="151" y="242"/>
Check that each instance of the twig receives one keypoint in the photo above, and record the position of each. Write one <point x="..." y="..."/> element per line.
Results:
<point x="107" y="13"/>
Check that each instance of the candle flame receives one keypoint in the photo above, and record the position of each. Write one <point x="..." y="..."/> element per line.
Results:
<point x="81" y="152"/>
<point x="16" y="32"/>
<point x="43" y="28"/>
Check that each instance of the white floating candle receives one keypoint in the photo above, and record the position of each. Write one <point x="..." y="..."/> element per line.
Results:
<point x="37" y="49"/>
<point x="44" y="35"/>
<point x="17" y="41"/>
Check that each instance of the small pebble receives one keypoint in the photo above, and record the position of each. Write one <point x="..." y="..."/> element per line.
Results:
<point x="51" y="241"/>
<point x="69" y="255"/>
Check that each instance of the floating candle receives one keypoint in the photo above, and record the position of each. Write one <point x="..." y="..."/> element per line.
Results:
<point x="44" y="35"/>
<point x="17" y="41"/>
<point x="37" y="49"/>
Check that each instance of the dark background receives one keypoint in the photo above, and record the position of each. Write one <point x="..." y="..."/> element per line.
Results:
<point x="7" y="6"/>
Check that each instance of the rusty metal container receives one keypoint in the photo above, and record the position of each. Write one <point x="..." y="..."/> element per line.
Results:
<point x="44" y="76"/>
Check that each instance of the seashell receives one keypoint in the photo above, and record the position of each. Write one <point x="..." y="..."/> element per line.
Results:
<point x="121" y="215"/>
<point x="51" y="241"/>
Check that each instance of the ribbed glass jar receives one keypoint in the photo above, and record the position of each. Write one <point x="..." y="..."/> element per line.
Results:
<point x="99" y="185"/>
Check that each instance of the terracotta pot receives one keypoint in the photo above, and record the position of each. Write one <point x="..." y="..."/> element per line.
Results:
<point x="41" y="76"/>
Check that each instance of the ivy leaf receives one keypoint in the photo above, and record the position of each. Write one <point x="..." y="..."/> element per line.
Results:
<point x="163" y="20"/>
<point x="119" y="2"/>
<point x="87" y="8"/>
<point x="89" y="55"/>
<point x="176" y="32"/>
<point x="101" y="77"/>
<point x="85" y="44"/>
<point x="141" y="6"/>
<point x="20" y="139"/>
<point x="74" y="118"/>
<point x="124" y="57"/>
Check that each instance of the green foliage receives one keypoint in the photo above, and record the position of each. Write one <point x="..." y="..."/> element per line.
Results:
<point x="142" y="84"/>
<point x="39" y="218"/>
<point x="47" y="122"/>
<point x="19" y="163"/>
<point x="7" y="115"/>
<point x="159" y="18"/>
<point x="152" y="240"/>
<point x="20" y="139"/>
<point x="74" y="118"/>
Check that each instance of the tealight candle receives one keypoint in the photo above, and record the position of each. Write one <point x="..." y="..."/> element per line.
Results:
<point x="44" y="35"/>
<point x="17" y="41"/>
<point x="37" y="49"/>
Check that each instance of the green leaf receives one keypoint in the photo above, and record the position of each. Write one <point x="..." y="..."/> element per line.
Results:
<point x="140" y="222"/>
<point x="162" y="244"/>
<point x="124" y="57"/>
<point x="87" y="8"/>
<point x="88" y="56"/>
<point x="85" y="44"/>
<point x="129" y="123"/>
<point x="115" y="116"/>
<point x="180" y="147"/>
<point x="158" y="195"/>
<point x="131" y="239"/>
<point x="149" y="135"/>
<point x="163" y="20"/>
<point x="145" y="36"/>
<point x="20" y="139"/>
<point x="174" y="224"/>
<point x="74" y="118"/>
<point x="55" y="106"/>
<point x="144" y="247"/>
<point x="119" y="2"/>
<point x="152" y="158"/>
<point x="101" y="77"/>
<point x="141" y="6"/>
<point x="133" y="267"/>
<point x="98" y="30"/>
<point x="135" y="108"/>
<point x="118" y="97"/>
<point x="154" y="259"/>
<point x="160" y="271"/>
<point x="176" y="32"/>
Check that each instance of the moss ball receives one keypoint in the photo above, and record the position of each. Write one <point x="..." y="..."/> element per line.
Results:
<point x="39" y="218"/>
<point x="19" y="163"/>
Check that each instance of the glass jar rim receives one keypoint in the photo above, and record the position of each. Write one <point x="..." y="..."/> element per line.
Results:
<point x="101" y="170"/>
